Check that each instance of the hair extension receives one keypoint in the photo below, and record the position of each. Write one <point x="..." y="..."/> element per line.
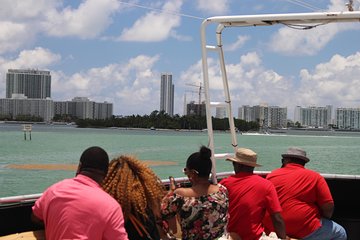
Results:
<point x="135" y="186"/>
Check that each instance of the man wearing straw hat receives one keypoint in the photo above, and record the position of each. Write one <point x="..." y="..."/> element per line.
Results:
<point x="250" y="196"/>
<point x="305" y="198"/>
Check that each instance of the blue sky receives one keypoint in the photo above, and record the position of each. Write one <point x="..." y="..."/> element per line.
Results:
<point x="115" y="51"/>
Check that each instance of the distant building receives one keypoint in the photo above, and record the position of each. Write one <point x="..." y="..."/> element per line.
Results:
<point x="34" y="84"/>
<point x="266" y="116"/>
<point x="167" y="94"/>
<point x="220" y="112"/>
<point x="318" y="117"/>
<point x="28" y="92"/>
<point x="83" y="108"/>
<point x="195" y="109"/>
<point x="20" y="105"/>
<point x="348" y="118"/>
<point x="246" y="113"/>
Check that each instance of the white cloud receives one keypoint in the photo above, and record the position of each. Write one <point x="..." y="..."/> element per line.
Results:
<point x="309" y="42"/>
<point x="213" y="7"/>
<point x="20" y="10"/>
<point x="335" y="82"/>
<point x="130" y="86"/>
<point x="154" y="26"/>
<point x="249" y="82"/>
<point x="241" y="40"/>
<point x="38" y="58"/>
<point x="90" y="19"/>
<point x="13" y="36"/>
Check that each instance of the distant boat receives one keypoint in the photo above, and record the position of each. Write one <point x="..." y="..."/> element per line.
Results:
<point x="255" y="133"/>
<point x="153" y="128"/>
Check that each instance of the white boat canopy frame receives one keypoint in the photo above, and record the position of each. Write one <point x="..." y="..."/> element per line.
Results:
<point x="298" y="20"/>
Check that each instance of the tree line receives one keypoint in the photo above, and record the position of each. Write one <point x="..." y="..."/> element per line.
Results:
<point x="161" y="120"/>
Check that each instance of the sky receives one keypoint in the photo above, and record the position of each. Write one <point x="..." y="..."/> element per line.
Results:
<point x="115" y="51"/>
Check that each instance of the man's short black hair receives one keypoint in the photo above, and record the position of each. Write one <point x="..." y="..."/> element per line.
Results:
<point x="94" y="158"/>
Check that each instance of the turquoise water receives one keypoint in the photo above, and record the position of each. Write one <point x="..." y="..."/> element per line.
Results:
<point x="336" y="153"/>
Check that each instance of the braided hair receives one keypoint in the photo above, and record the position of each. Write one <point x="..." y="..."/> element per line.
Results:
<point x="135" y="186"/>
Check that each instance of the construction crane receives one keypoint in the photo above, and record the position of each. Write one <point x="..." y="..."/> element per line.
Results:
<point x="200" y="91"/>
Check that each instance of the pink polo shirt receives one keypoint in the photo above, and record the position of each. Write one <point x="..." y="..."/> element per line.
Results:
<point x="78" y="208"/>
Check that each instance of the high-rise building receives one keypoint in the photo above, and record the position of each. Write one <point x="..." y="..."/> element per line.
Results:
<point x="313" y="116"/>
<point x="31" y="83"/>
<point x="167" y="94"/>
<point x="220" y="112"/>
<point x="195" y="109"/>
<point x="83" y="108"/>
<point x="19" y="105"/>
<point x="266" y="116"/>
<point x="348" y="118"/>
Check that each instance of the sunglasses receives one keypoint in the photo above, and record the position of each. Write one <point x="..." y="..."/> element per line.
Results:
<point x="186" y="171"/>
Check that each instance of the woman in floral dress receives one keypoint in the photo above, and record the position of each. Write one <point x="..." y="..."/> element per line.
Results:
<point x="202" y="208"/>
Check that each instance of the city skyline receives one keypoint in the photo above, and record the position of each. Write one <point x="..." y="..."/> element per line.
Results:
<point x="115" y="51"/>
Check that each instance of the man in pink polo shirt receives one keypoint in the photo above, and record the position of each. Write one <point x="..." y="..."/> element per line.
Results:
<point x="78" y="208"/>
<point x="250" y="196"/>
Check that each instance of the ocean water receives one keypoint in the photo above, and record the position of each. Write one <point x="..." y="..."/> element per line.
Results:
<point x="330" y="152"/>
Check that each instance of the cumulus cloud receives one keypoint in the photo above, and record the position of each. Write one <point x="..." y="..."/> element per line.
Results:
<point x="213" y="7"/>
<point x="38" y="58"/>
<point x="154" y="26"/>
<point x="335" y="82"/>
<point x="14" y="35"/>
<point x="90" y="19"/>
<point x="240" y="42"/>
<point x="297" y="42"/>
<point x="130" y="86"/>
<point x="250" y="83"/>
<point x="19" y="10"/>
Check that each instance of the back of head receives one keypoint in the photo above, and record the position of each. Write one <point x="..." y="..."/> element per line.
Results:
<point x="200" y="161"/>
<point x="134" y="185"/>
<point x="94" y="158"/>
<point x="295" y="155"/>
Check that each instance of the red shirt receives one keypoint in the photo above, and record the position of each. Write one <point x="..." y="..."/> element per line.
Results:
<point x="250" y="196"/>
<point x="300" y="192"/>
<point x="79" y="209"/>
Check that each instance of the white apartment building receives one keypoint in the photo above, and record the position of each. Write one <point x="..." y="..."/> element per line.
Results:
<point x="83" y="108"/>
<point x="266" y="116"/>
<point x="318" y="117"/>
<point x="348" y="118"/>
<point x="21" y="105"/>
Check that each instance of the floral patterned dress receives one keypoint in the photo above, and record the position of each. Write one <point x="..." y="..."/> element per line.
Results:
<point x="203" y="217"/>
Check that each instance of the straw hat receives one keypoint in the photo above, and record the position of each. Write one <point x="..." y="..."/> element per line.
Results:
<point x="245" y="156"/>
<point x="295" y="152"/>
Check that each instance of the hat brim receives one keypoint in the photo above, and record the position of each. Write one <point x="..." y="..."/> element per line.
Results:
<point x="296" y="156"/>
<point x="237" y="160"/>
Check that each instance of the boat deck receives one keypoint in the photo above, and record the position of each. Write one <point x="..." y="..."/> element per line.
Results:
<point x="15" y="213"/>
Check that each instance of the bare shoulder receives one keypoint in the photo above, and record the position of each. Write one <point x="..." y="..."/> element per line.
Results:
<point x="181" y="191"/>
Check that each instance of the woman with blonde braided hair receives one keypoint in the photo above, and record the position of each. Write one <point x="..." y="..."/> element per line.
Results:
<point x="139" y="192"/>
